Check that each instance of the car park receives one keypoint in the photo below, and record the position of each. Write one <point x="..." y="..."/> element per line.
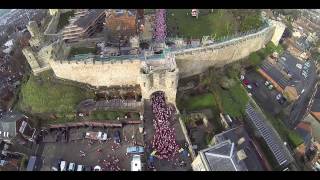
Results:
<point x="72" y="167"/>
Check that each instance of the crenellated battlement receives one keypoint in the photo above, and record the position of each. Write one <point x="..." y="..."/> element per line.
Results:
<point x="152" y="72"/>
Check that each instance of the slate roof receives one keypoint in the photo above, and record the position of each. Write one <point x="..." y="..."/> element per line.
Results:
<point x="86" y="20"/>
<point x="8" y="122"/>
<point x="222" y="157"/>
<point x="252" y="161"/>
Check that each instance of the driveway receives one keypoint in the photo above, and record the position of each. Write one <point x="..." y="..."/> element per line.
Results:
<point x="262" y="95"/>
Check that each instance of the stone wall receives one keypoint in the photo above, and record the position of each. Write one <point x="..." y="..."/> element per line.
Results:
<point x="98" y="74"/>
<point x="197" y="60"/>
<point x="53" y="25"/>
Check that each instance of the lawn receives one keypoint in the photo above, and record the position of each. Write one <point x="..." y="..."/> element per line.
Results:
<point x="64" y="19"/>
<point x="112" y="115"/>
<point x="82" y="50"/>
<point x="216" y="23"/>
<point x="233" y="100"/>
<point x="198" y="102"/>
<point x="43" y="95"/>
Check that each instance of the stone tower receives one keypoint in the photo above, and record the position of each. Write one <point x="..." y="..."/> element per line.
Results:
<point x="37" y="38"/>
<point x="163" y="79"/>
<point x="279" y="28"/>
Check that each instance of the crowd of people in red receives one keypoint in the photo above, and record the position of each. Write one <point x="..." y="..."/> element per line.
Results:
<point x="164" y="140"/>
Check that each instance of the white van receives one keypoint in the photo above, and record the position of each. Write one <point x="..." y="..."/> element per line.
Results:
<point x="63" y="166"/>
<point x="136" y="163"/>
<point x="80" y="168"/>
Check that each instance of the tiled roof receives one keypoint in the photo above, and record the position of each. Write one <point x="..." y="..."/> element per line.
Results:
<point x="222" y="157"/>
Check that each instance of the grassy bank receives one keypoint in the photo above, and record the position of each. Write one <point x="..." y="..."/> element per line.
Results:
<point x="211" y="22"/>
<point x="42" y="95"/>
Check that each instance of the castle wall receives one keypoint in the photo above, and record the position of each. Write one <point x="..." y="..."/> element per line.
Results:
<point x="198" y="60"/>
<point x="98" y="74"/>
<point x="160" y="81"/>
<point x="53" y="24"/>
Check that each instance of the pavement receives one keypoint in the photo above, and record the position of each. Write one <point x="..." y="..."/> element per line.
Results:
<point x="304" y="86"/>
<point x="263" y="96"/>
<point x="70" y="151"/>
<point x="164" y="165"/>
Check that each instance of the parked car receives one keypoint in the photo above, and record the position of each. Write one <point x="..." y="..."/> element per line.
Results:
<point x="270" y="87"/>
<point x="267" y="83"/>
<point x="87" y="168"/>
<point x="282" y="100"/>
<point x="256" y="84"/>
<point x="80" y="168"/>
<point x="63" y="166"/>
<point x="299" y="66"/>
<point x="135" y="150"/>
<point x="116" y="137"/>
<point x="72" y="167"/>
<point x="56" y="165"/>
<point x="278" y="96"/>
<point x="245" y="82"/>
<point x="97" y="168"/>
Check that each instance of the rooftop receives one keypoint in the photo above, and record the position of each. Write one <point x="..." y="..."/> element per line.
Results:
<point x="8" y="124"/>
<point x="91" y="16"/>
<point x="243" y="143"/>
<point x="222" y="157"/>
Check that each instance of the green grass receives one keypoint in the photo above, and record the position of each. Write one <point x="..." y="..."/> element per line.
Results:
<point x="286" y="134"/>
<point x="112" y="115"/>
<point x="82" y="50"/>
<point x="42" y="95"/>
<point x="217" y="23"/>
<point x="233" y="100"/>
<point x="257" y="57"/>
<point x="198" y="102"/>
<point x="64" y="19"/>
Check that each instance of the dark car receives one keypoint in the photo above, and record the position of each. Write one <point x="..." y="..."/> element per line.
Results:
<point x="116" y="137"/>
<point x="56" y="165"/>
<point x="256" y="84"/>
<point x="245" y="82"/>
<point x="282" y="100"/>
<point x="87" y="168"/>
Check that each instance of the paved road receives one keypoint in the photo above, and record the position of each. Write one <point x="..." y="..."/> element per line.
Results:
<point x="263" y="96"/>
<point x="300" y="106"/>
